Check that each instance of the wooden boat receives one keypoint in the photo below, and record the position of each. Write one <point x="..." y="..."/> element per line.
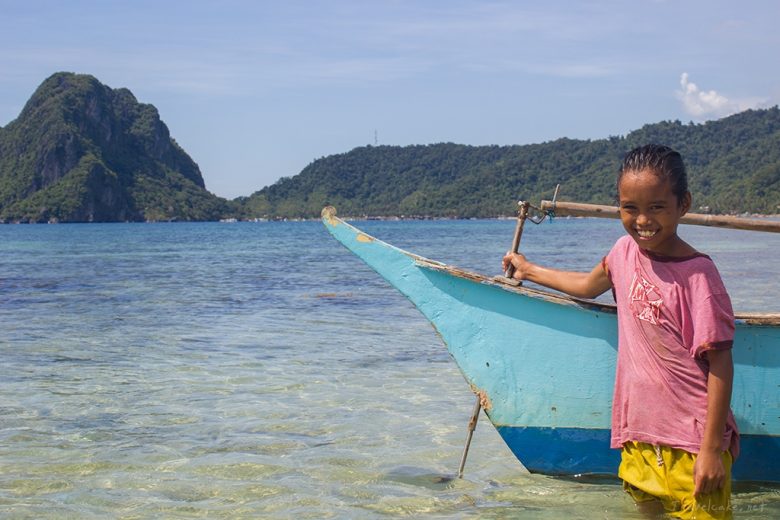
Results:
<point x="543" y="364"/>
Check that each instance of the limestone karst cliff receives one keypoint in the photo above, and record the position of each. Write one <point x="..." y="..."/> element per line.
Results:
<point x="81" y="151"/>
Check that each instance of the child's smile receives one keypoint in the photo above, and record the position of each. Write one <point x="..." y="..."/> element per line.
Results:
<point x="650" y="212"/>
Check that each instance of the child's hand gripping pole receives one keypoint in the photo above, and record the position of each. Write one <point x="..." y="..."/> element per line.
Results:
<point x="522" y="214"/>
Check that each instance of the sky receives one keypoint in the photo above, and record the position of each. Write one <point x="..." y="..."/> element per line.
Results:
<point x="256" y="90"/>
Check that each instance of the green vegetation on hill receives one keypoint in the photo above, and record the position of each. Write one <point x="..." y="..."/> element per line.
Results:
<point x="733" y="166"/>
<point x="83" y="152"/>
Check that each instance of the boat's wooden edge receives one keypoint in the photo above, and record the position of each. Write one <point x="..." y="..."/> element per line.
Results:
<point x="514" y="286"/>
<point x="757" y="318"/>
<point x="749" y="318"/>
<point x="329" y="215"/>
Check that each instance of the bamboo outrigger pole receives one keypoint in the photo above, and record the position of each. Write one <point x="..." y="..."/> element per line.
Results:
<point x="576" y="209"/>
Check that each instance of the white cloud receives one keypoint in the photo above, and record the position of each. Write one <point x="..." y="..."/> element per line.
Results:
<point x="709" y="103"/>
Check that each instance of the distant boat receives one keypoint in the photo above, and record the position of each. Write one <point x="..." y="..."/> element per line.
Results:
<point x="543" y="364"/>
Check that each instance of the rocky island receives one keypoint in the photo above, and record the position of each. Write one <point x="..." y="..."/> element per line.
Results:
<point x="83" y="152"/>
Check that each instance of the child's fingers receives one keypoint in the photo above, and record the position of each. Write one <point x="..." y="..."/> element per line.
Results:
<point x="704" y="486"/>
<point x="507" y="260"/>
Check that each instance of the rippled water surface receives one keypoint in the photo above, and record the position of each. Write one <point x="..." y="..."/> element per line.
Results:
<point x="260" y="370"/>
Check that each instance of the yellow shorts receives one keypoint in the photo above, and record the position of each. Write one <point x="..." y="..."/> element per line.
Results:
<point x="666" y="474"/>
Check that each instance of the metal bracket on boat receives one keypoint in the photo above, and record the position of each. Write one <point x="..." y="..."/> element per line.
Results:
<point x="545" y="210"/>
<point x="551" y="212"/>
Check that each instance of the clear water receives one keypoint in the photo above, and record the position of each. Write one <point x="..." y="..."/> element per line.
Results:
<point x="260" y="370"/>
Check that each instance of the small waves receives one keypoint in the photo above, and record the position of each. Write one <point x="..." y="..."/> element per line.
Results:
<point x="260" y="370"/>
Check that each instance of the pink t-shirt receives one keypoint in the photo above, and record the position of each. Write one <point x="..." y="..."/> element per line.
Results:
<point x="670" y="312"/>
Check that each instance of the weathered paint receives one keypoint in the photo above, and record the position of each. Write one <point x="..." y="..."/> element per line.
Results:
<point x="329" y="215"/>
<point x="545" y="363"/>
<point x="484" y="398"/>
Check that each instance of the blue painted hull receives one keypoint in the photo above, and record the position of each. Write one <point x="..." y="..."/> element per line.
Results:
<point x="573" y="451"/>
<point x="544" y="364"/>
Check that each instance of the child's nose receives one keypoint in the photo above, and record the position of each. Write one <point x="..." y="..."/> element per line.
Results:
<point x="642" y="219"/>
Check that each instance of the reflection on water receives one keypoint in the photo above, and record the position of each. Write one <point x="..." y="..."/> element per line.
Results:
<point x="259" y="370"/>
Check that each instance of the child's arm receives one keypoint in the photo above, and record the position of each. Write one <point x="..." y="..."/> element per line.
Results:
<point x="581" y="285"/>
<point x="708" y="471"/>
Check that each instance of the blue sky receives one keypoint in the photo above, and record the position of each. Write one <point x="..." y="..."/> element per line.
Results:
<point x="256" y="90"/>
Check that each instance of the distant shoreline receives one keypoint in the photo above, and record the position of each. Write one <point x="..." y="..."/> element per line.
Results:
<point x="351" y="218"/>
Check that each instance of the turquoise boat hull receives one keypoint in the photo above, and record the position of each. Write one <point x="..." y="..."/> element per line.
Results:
<point x="544" y="365"/>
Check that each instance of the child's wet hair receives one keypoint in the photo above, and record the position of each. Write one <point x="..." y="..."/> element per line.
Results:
<point x="662" y="161"/>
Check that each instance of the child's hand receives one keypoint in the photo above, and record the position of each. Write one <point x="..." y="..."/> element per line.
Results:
<point x="708" y="473"/>
<point x="518" y="262"/>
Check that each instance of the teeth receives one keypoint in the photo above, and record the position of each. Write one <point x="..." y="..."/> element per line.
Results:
<point x="645" y="233"/>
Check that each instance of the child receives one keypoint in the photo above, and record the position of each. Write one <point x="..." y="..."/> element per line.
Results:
<point x="670" y="414"/>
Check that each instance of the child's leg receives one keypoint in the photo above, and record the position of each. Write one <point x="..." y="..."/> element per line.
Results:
<point x="667" y="475"/>
<point x="643" y="477"/>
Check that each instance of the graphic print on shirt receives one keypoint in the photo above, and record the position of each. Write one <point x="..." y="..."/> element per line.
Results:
<point x="645" y="299"/>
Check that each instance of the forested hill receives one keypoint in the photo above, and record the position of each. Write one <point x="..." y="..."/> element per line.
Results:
<point x="733" y="166"/>
<point x="83" y="152"/>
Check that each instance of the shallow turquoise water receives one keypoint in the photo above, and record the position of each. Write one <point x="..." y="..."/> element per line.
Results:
<point x="260" y="370"/>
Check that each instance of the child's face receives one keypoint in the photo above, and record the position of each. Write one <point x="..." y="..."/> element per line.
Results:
<point x="650" y="212"/>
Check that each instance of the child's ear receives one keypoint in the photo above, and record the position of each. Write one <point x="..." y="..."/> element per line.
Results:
<point x="685" y="203"/>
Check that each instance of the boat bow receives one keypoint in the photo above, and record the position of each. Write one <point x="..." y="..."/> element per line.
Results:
<point x="543" y="364"/>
